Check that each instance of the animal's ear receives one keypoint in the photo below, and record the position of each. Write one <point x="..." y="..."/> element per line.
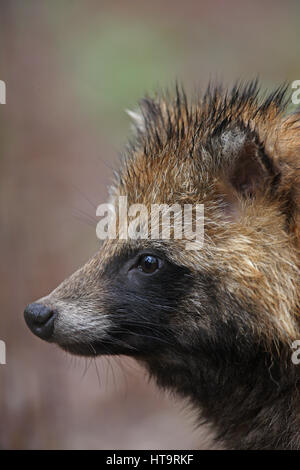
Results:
<point x="246" y="170"/>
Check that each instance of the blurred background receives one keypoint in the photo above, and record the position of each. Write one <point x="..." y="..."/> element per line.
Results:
<point x="71" y="69"/>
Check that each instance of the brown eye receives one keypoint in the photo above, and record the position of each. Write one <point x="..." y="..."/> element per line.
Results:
<point x="148" y="264"/>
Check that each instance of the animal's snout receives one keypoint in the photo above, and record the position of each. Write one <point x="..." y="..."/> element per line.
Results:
<point x="40" y="319"/>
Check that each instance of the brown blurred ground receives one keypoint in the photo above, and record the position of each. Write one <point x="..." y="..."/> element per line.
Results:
<point x="71" y="68"/>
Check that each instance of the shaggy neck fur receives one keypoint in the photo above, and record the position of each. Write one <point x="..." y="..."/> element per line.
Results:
<point x="248" y="408"/>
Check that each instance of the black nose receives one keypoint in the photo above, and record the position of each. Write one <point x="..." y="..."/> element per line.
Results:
<point x="40" y="319"/>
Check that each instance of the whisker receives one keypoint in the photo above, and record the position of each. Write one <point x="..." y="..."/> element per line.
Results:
<point x="76" y="188"/>
<point x="85" y="214"/>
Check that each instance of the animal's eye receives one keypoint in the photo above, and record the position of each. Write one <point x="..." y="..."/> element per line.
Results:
<point x="148" y="264"/>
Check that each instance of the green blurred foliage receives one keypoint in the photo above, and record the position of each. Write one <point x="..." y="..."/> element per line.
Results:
<point x="112" y="64"/>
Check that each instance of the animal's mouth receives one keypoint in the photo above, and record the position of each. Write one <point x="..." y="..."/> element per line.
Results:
<point x="81" y="334"/>
<point x="103" y="348"/>
<point x="45" y="322"/>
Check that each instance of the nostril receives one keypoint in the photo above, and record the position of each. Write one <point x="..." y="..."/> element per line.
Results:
<point x="40" y="319"/>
